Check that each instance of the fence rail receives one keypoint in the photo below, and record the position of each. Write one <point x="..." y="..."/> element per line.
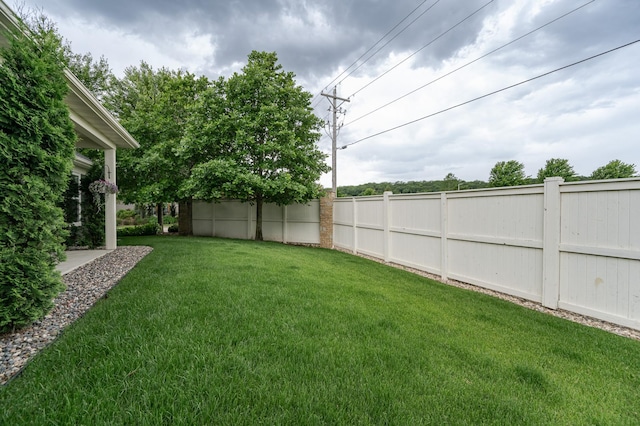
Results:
<point x="574" y="246"/>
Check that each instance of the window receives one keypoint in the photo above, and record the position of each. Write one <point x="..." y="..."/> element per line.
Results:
<point x="72" y="201"/>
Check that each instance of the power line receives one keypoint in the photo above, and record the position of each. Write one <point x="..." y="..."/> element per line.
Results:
<point x="315" y="105"/>
<point x="490" y="94"/>
<point x="422" y="48"/>
<point x="467" y="64"/>
<point x="370" y="49"/>
<point x="389" y="41"/>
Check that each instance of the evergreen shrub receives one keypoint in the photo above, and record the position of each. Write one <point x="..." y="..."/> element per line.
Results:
<point x="37" y="142"/>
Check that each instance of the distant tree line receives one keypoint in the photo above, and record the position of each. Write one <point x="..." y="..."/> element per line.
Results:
<point x="503" y="173"/>
<point x="410" y="187"/>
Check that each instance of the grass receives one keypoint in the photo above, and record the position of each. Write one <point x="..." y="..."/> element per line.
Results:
<point x="211" y="331"/>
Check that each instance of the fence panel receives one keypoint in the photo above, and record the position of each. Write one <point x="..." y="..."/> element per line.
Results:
<point x="369" y="231"/>
<point x="272" y="216"/>
<point x="510" y="269"/>
<point x="298" y="223"/>
<point x="509" y="214"/>
<point x="600" y="251"/>
<point x="494" y="239"/>
<point x="302" y="224"/>
<point x="415" y="231"/>
<point x="202" y="218"/>
<point x="343" y="223"/>
<point x="231" y="219"/>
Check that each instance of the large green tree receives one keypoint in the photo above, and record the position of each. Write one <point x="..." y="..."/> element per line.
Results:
<point x="36" y="148"/>
<point x="451" y="182"/>
<point x="153" y="105"/>
<point x="95" y="74"/>
<point x="507" y="173"/>
<point x="614" y="169"/>
<point x="254" y="135"/>
<point x="557" y="167"/>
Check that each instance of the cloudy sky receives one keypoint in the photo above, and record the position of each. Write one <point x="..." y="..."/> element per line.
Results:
<point x="588" y="113"/>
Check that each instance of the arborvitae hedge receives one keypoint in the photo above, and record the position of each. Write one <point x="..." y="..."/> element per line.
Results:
<point x="36" y="152"/>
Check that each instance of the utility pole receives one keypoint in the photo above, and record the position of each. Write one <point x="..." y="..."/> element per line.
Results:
<point x="335" y="107"/>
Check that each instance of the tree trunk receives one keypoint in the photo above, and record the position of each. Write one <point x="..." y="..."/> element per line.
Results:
<point x="160" y="215"/>
<point x="185" y="223"/>
<point x="259" y="217"/>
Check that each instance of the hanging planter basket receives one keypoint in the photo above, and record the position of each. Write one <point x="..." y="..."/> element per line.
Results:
<point x="101" y="186"/>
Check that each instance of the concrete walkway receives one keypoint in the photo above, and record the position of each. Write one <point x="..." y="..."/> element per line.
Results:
<point x="77" y="258"/>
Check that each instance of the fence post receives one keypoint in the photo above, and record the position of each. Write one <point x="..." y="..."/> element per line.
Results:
<point x="213" y="219"/>
<point x="386" y="217"/>
<point x="249" y="213"/>
<point x="551" y="243"/>
<point x="354" y="215"/>
<point x="444" y="229"/>
<point x="285" y="227"/>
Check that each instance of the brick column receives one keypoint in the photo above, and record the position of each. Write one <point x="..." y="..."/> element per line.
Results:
<point x="326" y="220"/>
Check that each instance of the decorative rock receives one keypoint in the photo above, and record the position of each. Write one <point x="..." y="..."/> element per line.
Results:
<point x="85" y="285"/>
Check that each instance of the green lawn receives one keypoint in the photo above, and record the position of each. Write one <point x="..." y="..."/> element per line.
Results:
<point x="212" y="331"/>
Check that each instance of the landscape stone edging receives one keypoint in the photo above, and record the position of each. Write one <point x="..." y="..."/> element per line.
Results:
<point x="85" y="286"/>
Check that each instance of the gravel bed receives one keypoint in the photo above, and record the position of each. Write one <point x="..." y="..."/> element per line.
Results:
<point x="85" y="285"/>
<point x="571" y="316"/>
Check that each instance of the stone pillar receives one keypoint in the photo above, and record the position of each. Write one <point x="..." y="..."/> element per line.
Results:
<point x="326" y="220"/>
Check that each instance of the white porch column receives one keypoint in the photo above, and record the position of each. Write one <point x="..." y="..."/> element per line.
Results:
<point x="110" y="200"/>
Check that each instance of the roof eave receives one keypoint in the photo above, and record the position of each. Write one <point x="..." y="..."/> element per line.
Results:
<point x="92" y="106"/>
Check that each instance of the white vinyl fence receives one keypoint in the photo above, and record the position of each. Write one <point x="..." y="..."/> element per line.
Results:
<point x="574" y="246"/>
<point x="297" y="223"/>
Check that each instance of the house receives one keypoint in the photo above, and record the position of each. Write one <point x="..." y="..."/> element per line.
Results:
<point x="96" y="128"/>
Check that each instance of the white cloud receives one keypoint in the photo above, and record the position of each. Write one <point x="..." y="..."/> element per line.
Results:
<point x="587" y="114"/>
<point x="189" y="50"/>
